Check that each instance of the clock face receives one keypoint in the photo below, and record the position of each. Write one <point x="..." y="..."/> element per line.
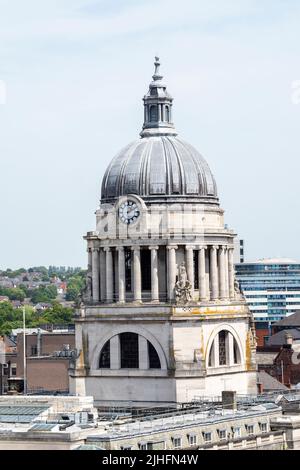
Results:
<point x="129" y="212"/>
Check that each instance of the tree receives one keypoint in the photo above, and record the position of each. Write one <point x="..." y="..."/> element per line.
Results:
<point x="57" y="314"/>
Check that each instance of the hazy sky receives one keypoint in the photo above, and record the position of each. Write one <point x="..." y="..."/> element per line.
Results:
<point x="75" y="72"/>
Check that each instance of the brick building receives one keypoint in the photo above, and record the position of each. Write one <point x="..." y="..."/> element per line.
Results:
<point x="48" y="356"/>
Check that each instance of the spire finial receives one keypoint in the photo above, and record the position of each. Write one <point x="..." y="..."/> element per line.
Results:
<point x="156" y="75"/>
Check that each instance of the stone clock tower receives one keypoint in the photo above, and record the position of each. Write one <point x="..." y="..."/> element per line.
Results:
<point x="161" y="319"/>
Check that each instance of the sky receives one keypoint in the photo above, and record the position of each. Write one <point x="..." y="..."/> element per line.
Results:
<point x="72" y="77"/>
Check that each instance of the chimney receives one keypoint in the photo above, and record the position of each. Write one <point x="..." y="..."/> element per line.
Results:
<point x="229" y="400"/>
<point x="260" y="388"/>
<point x="289" y="339"/>
<point x="38" y="345"/>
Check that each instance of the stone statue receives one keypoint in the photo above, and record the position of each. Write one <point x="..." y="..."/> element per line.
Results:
<point x="237" y="286"/>
<point x="183" y="287"/>
<point x="86" y="293"/>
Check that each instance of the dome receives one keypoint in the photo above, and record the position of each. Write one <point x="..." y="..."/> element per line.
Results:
<point x="160" y="165"/>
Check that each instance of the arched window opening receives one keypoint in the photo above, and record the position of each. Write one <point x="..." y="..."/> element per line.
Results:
<point x="129" y="344"/>
<point x="154" y="361"/>
<point x="222" y="348"/>
<point x="104" y="362"/>
<point x="153" y="113"/>
<point x="167" y="114"/>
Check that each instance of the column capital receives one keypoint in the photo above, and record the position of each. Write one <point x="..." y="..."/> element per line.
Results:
<point x="202" y="247"/>
<point x="120" y="248"/>
<point x="224" y="247"/>
<point x="215" y="247"/>
<point x="189" y="247"/>
<point x="155" y="247"/>
<point x="172" y="247"/>
<point x="95" y="249"/>
<point x="107" y="249"/>
<point x="135" y="248"/>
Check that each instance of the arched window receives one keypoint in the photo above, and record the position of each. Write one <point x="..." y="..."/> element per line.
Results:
<point x="154" y="362"/>
<point x="104" y="362"/>
<point x="167" y="114"/>
<point x="153" y="113"/>
<point x="129" y="344"/>
<point x="224" y="350"/>
<point x="128" y="356"/>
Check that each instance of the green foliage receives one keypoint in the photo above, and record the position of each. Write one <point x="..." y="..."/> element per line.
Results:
<point x="74" y="287"/>
<point x="57" y="314"/>
<point x="13" y="293"/>
<point x="13" y="317"/>
<point x="43" y="294"/>
<point x="11" y="274"/>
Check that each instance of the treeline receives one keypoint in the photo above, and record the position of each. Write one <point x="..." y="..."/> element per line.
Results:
<point x="11" y="318"/>
<point x="46" y="272"/>
<point x="40" y="294"/>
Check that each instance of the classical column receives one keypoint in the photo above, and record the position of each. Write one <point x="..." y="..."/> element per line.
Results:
<point x="222" y="272"/>
<point x="226" y="274"/>
<point x="95" y="275"/>
<point x="121" y="269"/>
<point x="137" y="275"/>
<point x="109" y="275"/>
<point x="231" y="273"/>
<point x="171" y="271"/>
<point x="154" y="274"/>
<point x="202" y="274"/>
<point x="102" y="269"/>
<point x="190" y="265"/>
<point x="214" y="273"/>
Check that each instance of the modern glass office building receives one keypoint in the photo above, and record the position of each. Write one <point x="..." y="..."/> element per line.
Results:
<point x="272" y="290"/>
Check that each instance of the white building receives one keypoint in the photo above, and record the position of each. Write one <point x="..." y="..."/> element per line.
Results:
<point x="162" y="320"/>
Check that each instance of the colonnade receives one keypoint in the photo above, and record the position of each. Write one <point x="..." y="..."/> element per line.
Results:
<point x="214" y="263"/>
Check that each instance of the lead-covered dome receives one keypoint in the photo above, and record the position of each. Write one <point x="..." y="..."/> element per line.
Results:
<point x="159" y="166"/>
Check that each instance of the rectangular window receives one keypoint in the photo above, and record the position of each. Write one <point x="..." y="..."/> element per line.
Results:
<point x="263" y="427"/>
<point x="129" y="343"/>
<point x="222" y="434"/>
<point x="207" y="436"/>
<point x="143" y="446"/>
<point x="250" y="429"/>
<point x="237" y="432"/>
<point x="33" y="350"/>
<point x="192" y="439"/>
<point x="125" y="447"/>
<point x="177" y="442"/>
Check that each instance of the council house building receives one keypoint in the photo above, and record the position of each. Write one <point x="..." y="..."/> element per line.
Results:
<point x="162" y="319"/>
